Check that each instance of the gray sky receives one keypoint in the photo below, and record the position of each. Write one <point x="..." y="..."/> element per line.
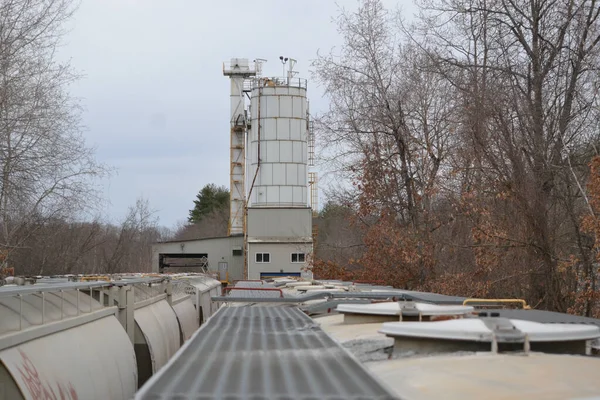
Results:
<point x="156" y="102"/>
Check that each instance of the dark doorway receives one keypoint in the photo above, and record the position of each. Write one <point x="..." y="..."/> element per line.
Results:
<point x="266" y="275"/>
<point x="197" y="262"/>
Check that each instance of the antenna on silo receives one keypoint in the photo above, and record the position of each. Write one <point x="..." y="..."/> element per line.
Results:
<point x="291" y="73"/>
<point x="258" y="66"/>
<point x="283" y="61"/>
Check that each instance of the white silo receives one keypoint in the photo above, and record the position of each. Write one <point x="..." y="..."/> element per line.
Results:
<point x="277" y="218"/>
<point x="278" y="143"/>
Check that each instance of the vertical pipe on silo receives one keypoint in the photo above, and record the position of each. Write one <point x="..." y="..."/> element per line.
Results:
<point x="246" y="246"/>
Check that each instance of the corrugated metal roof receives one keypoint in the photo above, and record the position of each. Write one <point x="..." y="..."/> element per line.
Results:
<point x="34" y="310"/>
<point x="9" y="291"/>
<point x="262" y="352"/>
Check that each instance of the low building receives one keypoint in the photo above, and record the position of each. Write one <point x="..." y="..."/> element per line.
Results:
<point x="203" y="254"/>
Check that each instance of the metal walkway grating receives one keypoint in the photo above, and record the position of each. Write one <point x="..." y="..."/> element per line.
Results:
<point x="262" y="353"/>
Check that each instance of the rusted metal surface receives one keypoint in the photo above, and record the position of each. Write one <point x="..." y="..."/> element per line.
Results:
<point x="76" y="363"/>
<point x="262" y="353"/>
<point x="159" y="326"/>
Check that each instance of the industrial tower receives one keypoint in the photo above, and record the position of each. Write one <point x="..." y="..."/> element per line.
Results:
<point x="238" y="72"/>
<point x="272" y="145"/>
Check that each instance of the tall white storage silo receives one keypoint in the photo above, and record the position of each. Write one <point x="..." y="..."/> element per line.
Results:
<point x="279" y="123"/>
<point x="277" y="218"/>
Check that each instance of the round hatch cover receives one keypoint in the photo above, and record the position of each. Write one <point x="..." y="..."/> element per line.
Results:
<point x="481" y="330"/>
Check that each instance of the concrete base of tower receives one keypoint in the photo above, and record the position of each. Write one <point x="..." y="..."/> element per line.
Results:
<point x="279" y="241"/>
<point x="276" y="259"/>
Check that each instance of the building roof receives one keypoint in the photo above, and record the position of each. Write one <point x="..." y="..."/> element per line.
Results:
<point x="198" y="240"/>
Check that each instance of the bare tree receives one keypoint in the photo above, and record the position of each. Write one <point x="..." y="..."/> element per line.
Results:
<point x="388" y="130"/>
<point x="467" y="138"/>
<point x="527" y="72"/>
<point x="130" y="249"/>
<point x="45" y="165"/>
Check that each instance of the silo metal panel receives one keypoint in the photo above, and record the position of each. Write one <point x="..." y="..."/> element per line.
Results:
<point x="278" y="174"/>
<point x="263" y="150"/>
<point x="302" y="176"/>
<point x="295" y="129"/>
<point x="303" y="130"/>
<point x="297" y="106"/>
<point x="285" y="107"/>
<point x="268" y="129"/>
<point x="286" y="151"/>
<point x="252" y="171"/>
<point x="158" y="324"/>
<point x="283" y="129"/>
<point x="272" y="151"/>
<point x="297" y="191"/>
<point x="262" y="100"/>
<point x="283" y="122"/>
<point x="272" y="110"/>
<point x="294" y="91"/>
<point x="297" y="152"/>
<point x="76" y="363"/>
<point x="305" y="153"/>
<point x="272" y="195"/>
<point x="258" y="180"/>
<point x="286" y="195"/>
<point x="253" y="151"/>
<point x="266" y="174"/>
<point x="291" y="174"/>
<point x="260" y="194"/>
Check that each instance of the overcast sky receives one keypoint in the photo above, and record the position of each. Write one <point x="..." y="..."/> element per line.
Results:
<point x="156" y="102"/>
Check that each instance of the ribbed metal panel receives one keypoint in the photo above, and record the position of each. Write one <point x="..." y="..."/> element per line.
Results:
<point x="262" y="353"/>
<point x="282" y="122"/>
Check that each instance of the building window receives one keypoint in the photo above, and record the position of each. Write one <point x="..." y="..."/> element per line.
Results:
<point x="298" y="257"/>
<point x="237" y="251"/>
<point x="263" y="257"/>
